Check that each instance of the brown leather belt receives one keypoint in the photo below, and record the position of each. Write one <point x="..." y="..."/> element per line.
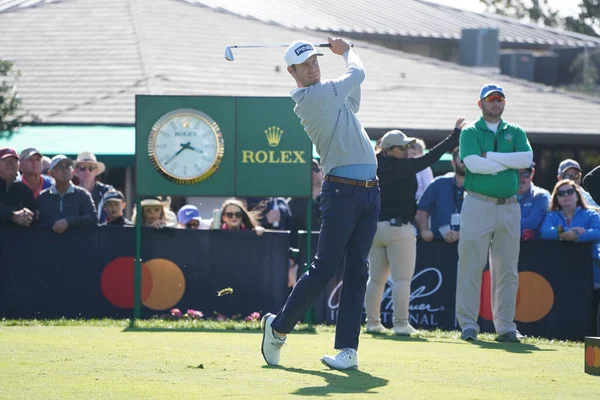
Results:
<point x="354" y="182"/>
<point x="495" y="200"/>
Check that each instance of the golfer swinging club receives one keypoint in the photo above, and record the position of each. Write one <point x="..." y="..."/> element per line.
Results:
<point x="349" y="199"/>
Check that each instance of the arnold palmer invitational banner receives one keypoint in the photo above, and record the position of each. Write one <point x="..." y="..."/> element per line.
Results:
<point x="88" y="273"/>
<point x="554" y="298"/>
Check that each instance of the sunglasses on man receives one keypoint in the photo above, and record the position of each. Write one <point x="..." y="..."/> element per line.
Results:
<point x="495" y="98"/>
<point x="237" y="214"/>
<point x="572" y="177"/>
<point x="525" y="174"/>
<point x="63" y="165"/>
<point x="567" y="192"/>
<point x="90" y="168"/>
<point x="192" y="224"/>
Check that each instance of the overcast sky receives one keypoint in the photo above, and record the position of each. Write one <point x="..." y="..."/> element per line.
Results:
<point x="566" y="7"/>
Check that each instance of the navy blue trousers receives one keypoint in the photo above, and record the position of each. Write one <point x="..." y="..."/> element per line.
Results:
<point x="349" y="222"/>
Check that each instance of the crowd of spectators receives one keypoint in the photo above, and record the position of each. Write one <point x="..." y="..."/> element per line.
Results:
<point x="61" y="193"/>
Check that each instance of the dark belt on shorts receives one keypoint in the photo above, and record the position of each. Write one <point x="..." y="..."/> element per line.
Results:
<point x="494" y="200"/>
<point x="395" y="221"/>
<point x="354" y="182"/>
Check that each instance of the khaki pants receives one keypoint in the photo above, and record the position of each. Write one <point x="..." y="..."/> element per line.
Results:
<point x="488" y="229"/>
<point x="394" y="251"/>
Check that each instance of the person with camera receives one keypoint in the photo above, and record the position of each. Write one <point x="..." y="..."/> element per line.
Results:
<point x="394" y="248"/>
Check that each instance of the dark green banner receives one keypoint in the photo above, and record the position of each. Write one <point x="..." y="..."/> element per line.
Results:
<point x="273" y="151"/>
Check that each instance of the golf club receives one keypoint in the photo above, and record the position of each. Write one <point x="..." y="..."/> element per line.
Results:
<point x="229" y="53"/>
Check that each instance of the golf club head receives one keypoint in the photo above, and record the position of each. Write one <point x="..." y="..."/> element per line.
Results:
<point x="228" y="54"/>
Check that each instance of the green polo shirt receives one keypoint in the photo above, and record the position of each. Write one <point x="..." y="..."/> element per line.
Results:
<point x="477" y="139"/>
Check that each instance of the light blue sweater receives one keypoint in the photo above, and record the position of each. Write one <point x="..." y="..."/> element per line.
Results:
<point x="327" y="112"/>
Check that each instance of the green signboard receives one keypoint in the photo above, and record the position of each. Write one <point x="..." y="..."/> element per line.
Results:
<point x="220" y="146"/>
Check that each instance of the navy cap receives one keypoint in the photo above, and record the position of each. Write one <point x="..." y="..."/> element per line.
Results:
<point x="566" y="164"/>
<point x="58" y="159"/>
<point x="112" y="195"/>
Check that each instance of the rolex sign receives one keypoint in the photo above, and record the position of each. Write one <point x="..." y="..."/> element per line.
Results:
<point x="273" y="155"/>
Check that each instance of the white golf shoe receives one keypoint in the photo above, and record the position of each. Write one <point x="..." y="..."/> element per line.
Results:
<point x="271" y="345"/>
<point x="345" y="359"/>
<point x="377" y="329"/>
<point x="405" y="330"/>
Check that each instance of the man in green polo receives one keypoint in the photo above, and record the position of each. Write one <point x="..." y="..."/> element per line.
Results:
<point x="492" y="151"/>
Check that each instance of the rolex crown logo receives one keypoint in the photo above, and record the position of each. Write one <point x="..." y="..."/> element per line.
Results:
<point x="185" y="123"/>
<point x="273" y="135"/>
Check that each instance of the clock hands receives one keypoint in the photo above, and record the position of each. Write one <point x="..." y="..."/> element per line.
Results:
<point x="188" y="146"/>
<point x="184" y="146"/>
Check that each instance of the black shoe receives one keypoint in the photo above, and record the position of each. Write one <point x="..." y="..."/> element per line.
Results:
<point x="470" y="335"/>
<point x="510" y="337"/>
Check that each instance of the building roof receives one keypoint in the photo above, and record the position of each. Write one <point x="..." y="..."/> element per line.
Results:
<point x="15" y="5"/>
<point x="398" y="18"/>
<point x="83" y="61"/>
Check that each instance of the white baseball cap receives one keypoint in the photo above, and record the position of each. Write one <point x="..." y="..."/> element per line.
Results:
<point x="395" y="138"/>
<point x="299" y="51"/>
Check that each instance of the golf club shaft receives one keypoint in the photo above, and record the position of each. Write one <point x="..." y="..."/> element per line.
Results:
<point x="254" y="46"/>
<point x="229" y="53"/>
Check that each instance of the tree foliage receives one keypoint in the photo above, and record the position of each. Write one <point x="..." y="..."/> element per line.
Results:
<point x="540" y="12"/>
<point x="12" y="113"/>
<point x="588" y="20"/>
<point x="586" y="66"/>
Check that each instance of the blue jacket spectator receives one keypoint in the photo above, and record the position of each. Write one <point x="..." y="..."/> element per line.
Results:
<point x="442" y="203"/>
<point x="587" y="219"/>
<point x="534" y="202"/>
<point x="442" y="198"/>
<point x="585" y="223"/>
<point x="65" y="205"/>
<point x="570" y="215"/>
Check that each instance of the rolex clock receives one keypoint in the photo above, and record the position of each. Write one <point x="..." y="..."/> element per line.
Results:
<point x="185" y="146"/>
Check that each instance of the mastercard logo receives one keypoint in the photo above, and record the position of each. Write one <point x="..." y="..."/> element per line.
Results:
<point x="535" y="297"/>
<point x="163" y="283"/>
<point x="592" y="356"/>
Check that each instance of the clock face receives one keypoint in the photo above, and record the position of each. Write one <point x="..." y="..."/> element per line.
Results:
<point x="186" y="146"/>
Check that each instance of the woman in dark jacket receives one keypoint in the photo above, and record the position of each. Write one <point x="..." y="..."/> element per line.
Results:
<point x="394" y="247"/>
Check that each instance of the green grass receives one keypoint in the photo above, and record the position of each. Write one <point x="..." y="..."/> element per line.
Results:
<point x="107" y="359"/>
